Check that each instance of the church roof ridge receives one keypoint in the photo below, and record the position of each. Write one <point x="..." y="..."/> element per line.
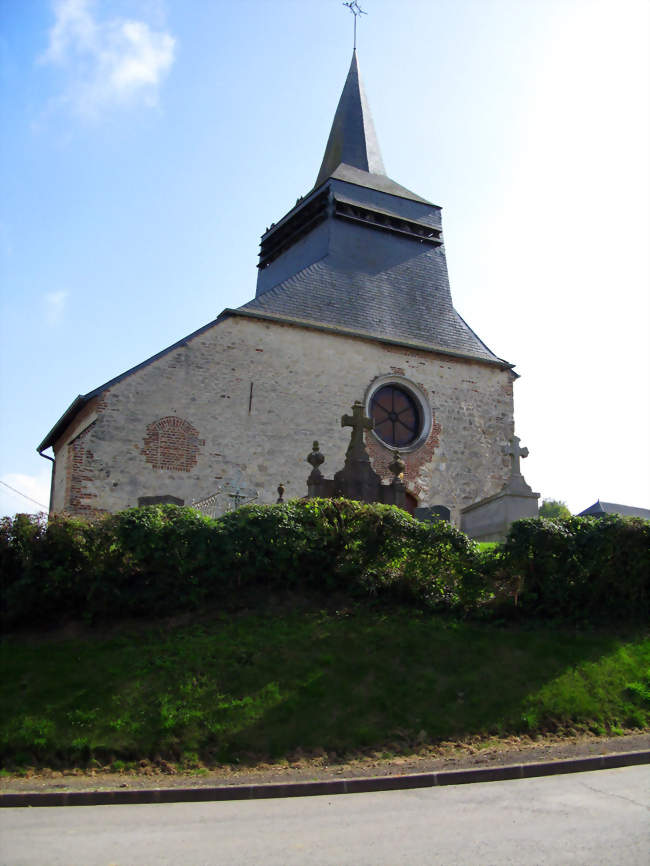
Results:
<point x="379" y="182"/>
<point x="82" y="400"/>
<point x="352" y="139"/>
<point x="318" y="325"/>
<point x="405" y="303"/>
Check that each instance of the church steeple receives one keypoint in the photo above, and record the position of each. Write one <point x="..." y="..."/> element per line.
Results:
<point x="352" y="138"/>
<point x="360" y="253"/>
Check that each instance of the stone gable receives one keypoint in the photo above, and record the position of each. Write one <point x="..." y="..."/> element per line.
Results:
<point x="249" y="396"/>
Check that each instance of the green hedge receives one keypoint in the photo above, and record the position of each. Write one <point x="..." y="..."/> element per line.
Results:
<point x="580" y="568"/>
<point x="164" y="559"/>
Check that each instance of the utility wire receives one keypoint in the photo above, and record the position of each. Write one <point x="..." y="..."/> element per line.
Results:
<point x="24" y="495"/>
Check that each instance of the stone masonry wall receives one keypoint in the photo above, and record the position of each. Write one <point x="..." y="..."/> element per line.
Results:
<point x="250" y="396"/>
<point x="70" y="454"/>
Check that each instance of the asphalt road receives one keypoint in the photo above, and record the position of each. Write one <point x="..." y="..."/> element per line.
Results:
<point x="585" y="818"/>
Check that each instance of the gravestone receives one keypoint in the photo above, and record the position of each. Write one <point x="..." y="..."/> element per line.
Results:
<point x="357" y="480"/>
<point x="490" y="518"/>
<point x="433" y="514"/>
<point x="159" y="500"/>
<point x="516" y="483"/>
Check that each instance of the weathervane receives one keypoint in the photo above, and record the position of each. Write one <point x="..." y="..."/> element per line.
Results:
<point x="356" y="10"/>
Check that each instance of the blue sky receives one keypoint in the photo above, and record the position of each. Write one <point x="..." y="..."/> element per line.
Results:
<point x="147" y="145"/>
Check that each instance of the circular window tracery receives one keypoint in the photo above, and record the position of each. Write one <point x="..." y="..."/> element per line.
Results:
<point x="401" y="412"/>
<point x="396" y="415"/>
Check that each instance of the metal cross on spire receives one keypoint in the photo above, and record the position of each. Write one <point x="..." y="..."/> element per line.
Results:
<point x="356" y="10"/>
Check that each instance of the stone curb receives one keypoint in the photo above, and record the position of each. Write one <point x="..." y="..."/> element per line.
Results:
<point x="328" y="787"/>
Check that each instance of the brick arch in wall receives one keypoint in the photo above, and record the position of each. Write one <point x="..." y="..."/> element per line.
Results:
<point x="172" y="443"/>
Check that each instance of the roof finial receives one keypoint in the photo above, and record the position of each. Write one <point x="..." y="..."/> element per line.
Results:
<point x="356" y="10"/>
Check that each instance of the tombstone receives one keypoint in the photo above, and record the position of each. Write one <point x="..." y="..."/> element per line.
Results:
<point x="159" y="500"/>
<point x="490" y="518"/>
<point x="357" y="480"/>
<point x="433" y="514"/>
<point x="516" y="483"/>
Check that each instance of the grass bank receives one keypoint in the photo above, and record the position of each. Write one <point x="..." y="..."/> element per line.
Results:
<point x="258" y="686"/>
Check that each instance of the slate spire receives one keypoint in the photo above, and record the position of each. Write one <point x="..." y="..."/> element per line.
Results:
<point x="360" y="254"/>
<point x="352" y="138"/>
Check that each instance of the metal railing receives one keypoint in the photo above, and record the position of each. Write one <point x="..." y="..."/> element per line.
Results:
<point x="225" y="498"/>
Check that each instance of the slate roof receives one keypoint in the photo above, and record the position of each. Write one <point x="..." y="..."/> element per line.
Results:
<point x="352" y="152"/>
<point x="364" y="283"/>
<point x="598" y="509"/>
<point x="398" y="302"/>
<point x="380" y="182"/>
<point x="352" y="139"/>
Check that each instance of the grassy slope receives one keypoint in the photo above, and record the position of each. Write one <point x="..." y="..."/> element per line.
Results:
<point x="265" y="685"/>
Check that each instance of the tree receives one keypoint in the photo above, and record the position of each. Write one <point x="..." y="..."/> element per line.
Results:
<point x="554" y="508"/>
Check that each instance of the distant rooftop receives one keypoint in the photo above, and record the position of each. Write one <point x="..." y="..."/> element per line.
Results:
<point x="598" y="509"/>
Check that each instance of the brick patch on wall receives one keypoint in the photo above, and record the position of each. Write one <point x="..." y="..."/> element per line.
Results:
<point x="78" y="473"/>
<point x="172" y="443"/>
<point x="381" y="456"/>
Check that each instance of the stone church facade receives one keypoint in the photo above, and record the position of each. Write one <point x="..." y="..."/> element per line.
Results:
<point x="352" y="303"/>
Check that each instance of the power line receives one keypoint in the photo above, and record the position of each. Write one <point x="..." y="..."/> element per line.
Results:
<point x="24" y="495"/>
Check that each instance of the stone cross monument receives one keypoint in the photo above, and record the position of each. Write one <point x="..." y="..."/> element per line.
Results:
<point x="516" y="483"/>
<point x="359" y="423"/>
<point x="357" y="480"/>
<point x="515" y="452"/>
<point x="490" y="518"/>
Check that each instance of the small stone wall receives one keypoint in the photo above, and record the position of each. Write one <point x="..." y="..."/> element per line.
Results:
<point x="490" y="519"/>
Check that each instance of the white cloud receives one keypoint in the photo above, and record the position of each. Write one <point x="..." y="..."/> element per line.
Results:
<point x="111" y="62"/>
<point x="36" y="487"/>
<point x="54" y="306"/>
<point x="74" y="31"/>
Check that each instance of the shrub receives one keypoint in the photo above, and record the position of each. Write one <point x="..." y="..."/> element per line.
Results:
<point x="42" y="563"/>
<point x="554" y="508"/>
<point x="165" y="559"/>
<point x="581" y="568"/>
<point x="152" y="560"/>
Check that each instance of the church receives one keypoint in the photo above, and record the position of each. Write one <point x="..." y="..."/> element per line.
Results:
<point x="352" y="304"/>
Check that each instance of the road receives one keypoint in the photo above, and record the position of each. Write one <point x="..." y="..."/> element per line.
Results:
<point x="596" y="818"/>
